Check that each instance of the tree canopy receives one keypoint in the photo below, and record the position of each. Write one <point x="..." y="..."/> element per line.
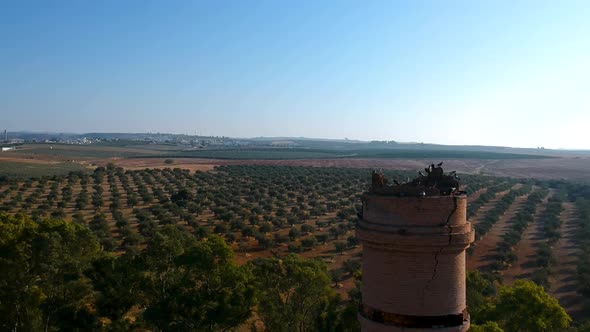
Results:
<point x="527" y="307"/>
<point x="296" y="293"/>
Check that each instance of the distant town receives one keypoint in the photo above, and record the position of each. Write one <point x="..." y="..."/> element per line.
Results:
<point x="188" y="141"/>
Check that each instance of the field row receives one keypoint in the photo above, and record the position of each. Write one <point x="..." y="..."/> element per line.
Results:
<point x="530" y="233"/>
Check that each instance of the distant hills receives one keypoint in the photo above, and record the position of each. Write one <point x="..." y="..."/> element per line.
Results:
<point x="292" y="142"/>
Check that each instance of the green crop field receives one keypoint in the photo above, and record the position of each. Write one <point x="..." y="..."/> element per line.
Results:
<point x="71" y="151"/>
<point x="302" y="153"/>
<point x="17" y="170"/>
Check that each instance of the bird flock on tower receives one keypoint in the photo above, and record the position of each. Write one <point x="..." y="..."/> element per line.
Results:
<point x="434" y="183"/>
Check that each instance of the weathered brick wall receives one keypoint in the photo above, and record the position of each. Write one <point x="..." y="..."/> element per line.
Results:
<point x="414" y="256"/>
<point x="413" y="283"/>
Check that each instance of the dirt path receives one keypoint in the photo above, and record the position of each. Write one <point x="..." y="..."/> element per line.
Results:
<point x="527" y="247"/>
<point x="484" y="249"/>
<point x="563" y="281"/>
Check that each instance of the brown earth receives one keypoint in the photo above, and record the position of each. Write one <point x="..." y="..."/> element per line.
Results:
<point x="489" y="205"/>
<point x="476" y="195"/>
<point x="137" y="163"/>
<point x="28" y="159"/>
<point x="555" y="168"/>
<point x="526" y="248"/>
<point x="484" y="248"/>
<point x="563" y="280"/>
<point x="569" y="168"/>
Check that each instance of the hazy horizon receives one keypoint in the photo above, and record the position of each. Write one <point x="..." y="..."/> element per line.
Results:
<point x="460" y="73"/>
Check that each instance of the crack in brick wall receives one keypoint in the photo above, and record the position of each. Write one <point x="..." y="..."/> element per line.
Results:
<point x="448" y="224"/>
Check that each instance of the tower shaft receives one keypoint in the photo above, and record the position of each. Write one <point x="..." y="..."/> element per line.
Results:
<point x="414" y="263"/>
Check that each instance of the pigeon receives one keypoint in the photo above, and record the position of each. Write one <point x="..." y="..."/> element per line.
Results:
<point x="456" y="177"/>
<point x="439" y="164"/>
<point x="396" y="183"/>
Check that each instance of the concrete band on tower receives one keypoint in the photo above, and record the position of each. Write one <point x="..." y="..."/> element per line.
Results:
<point x="413" y="275"/>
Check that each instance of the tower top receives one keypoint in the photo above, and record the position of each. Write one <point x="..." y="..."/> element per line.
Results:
<point x="414" y="237"/>
<point x="434" y="183"/>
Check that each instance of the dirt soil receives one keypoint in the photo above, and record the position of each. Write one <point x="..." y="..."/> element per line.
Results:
<point x="142" y="163"/>
<point x="28" y="159"/>
<point x="557" y="168"/>
<point x="569" y="168"/>
<point x="526" y="248"/>
<point x="563" y="281"/>
<point x="484" y="249"/>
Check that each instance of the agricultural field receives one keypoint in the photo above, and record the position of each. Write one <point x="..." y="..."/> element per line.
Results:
<point x="310" y="153"/>
<point x="23" y="170"/>
<point x="137" y="155"/>
<point x="259" y="210"/>
<point x="534" y="231"/>
<point x="525" y="228"/>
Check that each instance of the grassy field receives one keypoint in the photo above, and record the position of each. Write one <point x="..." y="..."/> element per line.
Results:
<point x="70" y="151"/>
<point x="116" y="150"/>
<point x="16" y="170"/>
<point x="284" y="153"/>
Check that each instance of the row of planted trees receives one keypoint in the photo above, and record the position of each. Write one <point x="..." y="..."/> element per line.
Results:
<point x="551" y="221"/>
<point x="55" y="276"/>
<point x="487" y="196"/>
<point x="295" y="208"/>
<point x="583" y="239"/>
<point x="505" y="255"/>
<point x="492" y="216"/>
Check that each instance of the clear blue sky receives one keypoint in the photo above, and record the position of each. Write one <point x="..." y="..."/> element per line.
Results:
<point x="513" y="73"/>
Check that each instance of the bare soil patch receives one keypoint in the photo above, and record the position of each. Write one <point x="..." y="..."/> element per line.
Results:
<point x="476" y="195"/>
<point x="142" y="163"/>
<point x="563" y="281"/>
<point x="489" y="205"/>
<point x="6" y="157"/>
<point x="526" y="248"/>
<point x="483" y="253"/>
<point x="572" y="168"/>
<point x="569" y="168"/>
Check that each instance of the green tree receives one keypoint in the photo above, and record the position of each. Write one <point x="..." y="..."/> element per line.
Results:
<point x="527" y="307"/>
<point x="486" y="327"/>
<point x="42" y="281"/>
<point x="116" y="280"/>
<point x="294" y="233"/>
<point x="181" y="198"/>
<point x="479" y="290"/>
<point x="296" y="292"/>
<point x="340" y="246"/>
<point x="194" y="285"/>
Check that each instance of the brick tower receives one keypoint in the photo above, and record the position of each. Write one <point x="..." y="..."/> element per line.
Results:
<point x="414" y="238"/>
